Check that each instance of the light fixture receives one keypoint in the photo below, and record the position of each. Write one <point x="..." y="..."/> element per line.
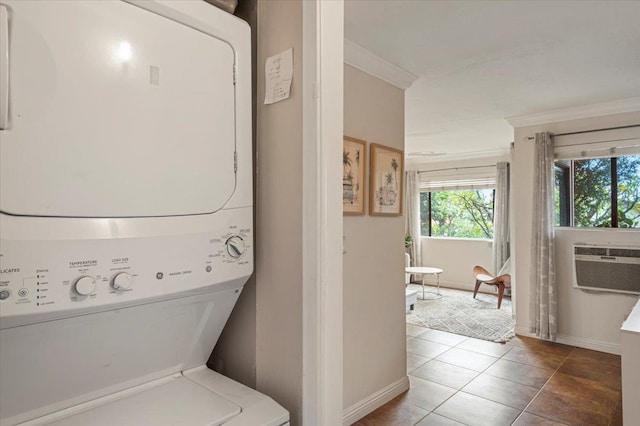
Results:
<point x="124" y="52"/>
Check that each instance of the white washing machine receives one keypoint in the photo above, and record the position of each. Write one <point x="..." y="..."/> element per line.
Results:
<point x="126" y="212"/>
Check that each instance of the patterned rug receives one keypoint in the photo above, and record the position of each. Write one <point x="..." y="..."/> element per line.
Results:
<point x="458" y="312"/>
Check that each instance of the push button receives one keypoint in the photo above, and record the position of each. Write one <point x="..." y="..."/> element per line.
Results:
<point x="23" y="292"/>
<point x="4" y="294"/>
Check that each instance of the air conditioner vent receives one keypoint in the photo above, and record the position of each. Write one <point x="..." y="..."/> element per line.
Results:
<point x="625" y="252"/>
<point x="595" y="251"/>
<point x="604" y="268"/>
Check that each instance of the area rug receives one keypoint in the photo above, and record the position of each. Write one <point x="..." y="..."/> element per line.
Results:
<point x="458" y="312"/>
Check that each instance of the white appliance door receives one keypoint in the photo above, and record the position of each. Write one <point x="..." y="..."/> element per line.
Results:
<point x="114" y="111"/>
<point x="177" y="402"/>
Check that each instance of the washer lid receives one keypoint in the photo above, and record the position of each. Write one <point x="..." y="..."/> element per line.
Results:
<point x="178" y="402"/>
<point x="115" y="112"/>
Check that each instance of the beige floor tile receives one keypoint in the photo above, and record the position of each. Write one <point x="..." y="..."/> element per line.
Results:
<point x="434" y="419"/>
<point x="414" y="330"/>
<point x="528" y="419"/>
<point x="475" y="411"/>
<point x="446" y="374"/>
<point x="534" y="357"/>
<point x="398" y="411"/>
<point x="485" y="347"/>
<point x="467" y="359"/>
<point x="425" y="348"/>
<point x="443" y="337"/>
<point x="504" y="391"/>
<point x="414" y="361"/>
<point x="426" y="394"/>
<point x="520" y="373"/>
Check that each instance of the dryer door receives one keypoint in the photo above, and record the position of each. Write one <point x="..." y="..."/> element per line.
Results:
<point x="115" y="111"/>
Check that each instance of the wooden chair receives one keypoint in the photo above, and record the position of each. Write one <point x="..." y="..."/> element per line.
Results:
<point x="483" y="276"/>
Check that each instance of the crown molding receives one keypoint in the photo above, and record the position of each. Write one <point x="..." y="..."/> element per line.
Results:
<point x="491" y="155"/>
<point x="360" y="58"/>
<point x="576" y="113"/>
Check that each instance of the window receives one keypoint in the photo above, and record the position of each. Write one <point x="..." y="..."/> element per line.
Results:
<point x="457" y="213"/>
<point x="598" y="192"/>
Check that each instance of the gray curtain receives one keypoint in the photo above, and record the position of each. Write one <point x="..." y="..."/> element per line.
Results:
<point x="412" y="215"/>
<point x="501" y="218"/>
<point x="542" y="308"/>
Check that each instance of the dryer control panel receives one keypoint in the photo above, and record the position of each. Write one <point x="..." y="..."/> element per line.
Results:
<point x="64" y="277"/>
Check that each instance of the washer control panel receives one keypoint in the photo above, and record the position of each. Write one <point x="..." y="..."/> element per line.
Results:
<point x="58" y="276"/>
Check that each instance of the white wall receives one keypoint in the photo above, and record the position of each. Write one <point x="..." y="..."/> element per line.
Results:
<point x="374" y="310"/>
<point x="593" y="319"/>
<point x="603" y="313"/>
<point x="457" y="257"/>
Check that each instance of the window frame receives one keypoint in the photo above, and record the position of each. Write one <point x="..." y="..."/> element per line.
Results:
<point x="430" y="213"/>
<point x="567" y="194"/>
<point x="565" y="191"/>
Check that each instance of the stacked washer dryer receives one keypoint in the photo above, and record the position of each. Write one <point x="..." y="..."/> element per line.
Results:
<point x="126" y="223"/>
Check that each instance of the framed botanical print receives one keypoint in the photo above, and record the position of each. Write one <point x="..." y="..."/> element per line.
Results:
<point x="385" y="181"/>
<point x="354" y="160"/>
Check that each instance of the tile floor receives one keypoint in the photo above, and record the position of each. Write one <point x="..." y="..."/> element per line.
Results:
<point x="457" y="380"/>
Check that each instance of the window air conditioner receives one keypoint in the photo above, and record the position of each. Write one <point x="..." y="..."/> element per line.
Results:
<point x="607" y="268"/>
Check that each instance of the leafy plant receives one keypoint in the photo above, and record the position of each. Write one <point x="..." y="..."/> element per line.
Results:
<point x="458" y="213"/>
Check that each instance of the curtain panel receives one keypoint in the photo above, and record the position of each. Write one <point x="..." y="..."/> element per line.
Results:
<point x="412" y="215"/>
<point x="543" y="309"/>
<point x="501" y="217"/>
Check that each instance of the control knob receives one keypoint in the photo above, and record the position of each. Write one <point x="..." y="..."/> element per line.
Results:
<point x="235" y="246"/>
<point x="122" y="281"/>
<point x="84" y="286"/>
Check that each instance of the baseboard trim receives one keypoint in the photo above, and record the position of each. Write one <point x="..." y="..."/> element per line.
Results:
<point x="579" y="342"/>
<point x="374" y="401"/>
<point x="596" y="345"/>
<point x="524" y="331"/>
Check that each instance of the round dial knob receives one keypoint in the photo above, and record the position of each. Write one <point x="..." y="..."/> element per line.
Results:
<point x="235" y="246"/>
<point x="122" y="281"/>
<point x="85" y="286"/>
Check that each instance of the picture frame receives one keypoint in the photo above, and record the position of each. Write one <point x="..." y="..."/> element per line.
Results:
<point x="386" y="181"/>
<point x="354" y="164"/>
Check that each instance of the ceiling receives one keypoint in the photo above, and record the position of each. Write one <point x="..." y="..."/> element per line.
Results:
<point x="481" y="61"/>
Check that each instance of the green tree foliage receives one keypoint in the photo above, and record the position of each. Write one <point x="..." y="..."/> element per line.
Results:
<point x="629" y="192"/>
<point x="592" y="192"/>
<point x="462" y="214"/>
<point x="556" y="195"/>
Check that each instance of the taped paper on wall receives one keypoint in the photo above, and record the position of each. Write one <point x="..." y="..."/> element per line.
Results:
<point x="278" y="71"/>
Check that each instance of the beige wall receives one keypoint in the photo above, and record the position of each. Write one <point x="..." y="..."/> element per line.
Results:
<point x="586" y="320"/>
<point x="279" y="215"/>
<point x="374" y="311"/>
<point x="458" y="268"/>
<point x="262" y="343"/>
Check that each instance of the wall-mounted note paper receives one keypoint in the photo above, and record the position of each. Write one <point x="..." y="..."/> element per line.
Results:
<point x="278" y="72"/>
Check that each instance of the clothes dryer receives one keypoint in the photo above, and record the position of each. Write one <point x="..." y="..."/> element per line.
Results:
<point x="126" y="212"/>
